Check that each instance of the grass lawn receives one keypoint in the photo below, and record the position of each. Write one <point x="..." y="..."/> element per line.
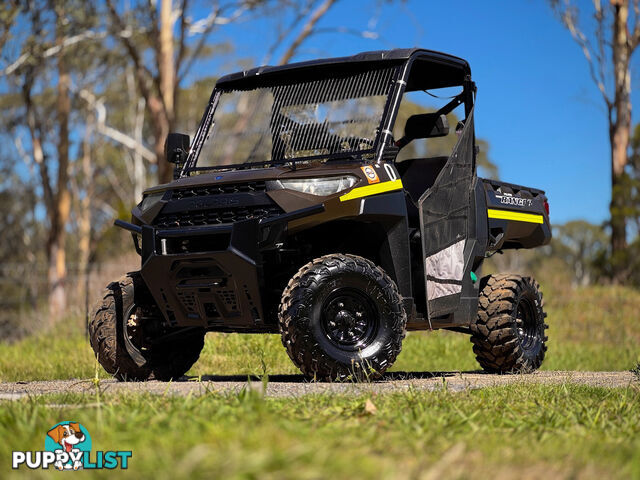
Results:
<point x="516" y="431"/>
<point x="519" y="431"/>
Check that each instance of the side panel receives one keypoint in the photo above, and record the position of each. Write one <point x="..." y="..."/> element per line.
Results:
<point x="446" y="220"/>
<point x="390" y="211"/>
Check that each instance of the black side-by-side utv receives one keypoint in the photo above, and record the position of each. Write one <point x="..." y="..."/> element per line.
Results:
<point x="295" y="211"/>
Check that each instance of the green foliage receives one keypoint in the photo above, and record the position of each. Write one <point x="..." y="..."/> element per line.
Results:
<point x="626" y="192"/>
<point x="21" y="247"/>
<point x="581" y="245"/>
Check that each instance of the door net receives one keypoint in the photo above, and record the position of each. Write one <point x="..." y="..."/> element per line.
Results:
<point x="445" y="211"/>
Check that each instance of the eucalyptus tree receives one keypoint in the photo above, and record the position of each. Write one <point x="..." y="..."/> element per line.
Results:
<point x="609" y="50"/>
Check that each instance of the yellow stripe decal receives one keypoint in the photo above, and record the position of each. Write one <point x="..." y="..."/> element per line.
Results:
<point x="517" y="216"/>
<point x="372" y="190"/>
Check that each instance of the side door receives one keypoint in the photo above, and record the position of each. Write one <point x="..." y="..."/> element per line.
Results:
<point x="446" y="223"/>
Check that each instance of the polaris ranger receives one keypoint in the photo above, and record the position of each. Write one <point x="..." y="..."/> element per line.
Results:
<point x="295" y="210"/>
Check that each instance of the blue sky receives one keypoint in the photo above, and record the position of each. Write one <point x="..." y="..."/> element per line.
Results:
<point x="537" y="105"/>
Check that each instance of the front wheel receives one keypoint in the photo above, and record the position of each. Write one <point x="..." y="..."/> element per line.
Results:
<point x="340" y="317"/>
<point x="125" y="336"/>
<point x="508" y="335"/>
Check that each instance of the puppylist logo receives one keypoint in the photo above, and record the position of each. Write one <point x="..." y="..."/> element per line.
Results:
<point x="67" y="446"/>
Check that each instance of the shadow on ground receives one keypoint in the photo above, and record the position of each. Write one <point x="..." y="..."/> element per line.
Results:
<point x="387" y="377"/>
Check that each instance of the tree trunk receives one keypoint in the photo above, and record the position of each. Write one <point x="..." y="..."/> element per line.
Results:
<point x="138" y="108"/>
<point x="139" y="182"/>
<point x="84" y="216"/>
<point x="165" y="60"/>
<point x="62" y="201"/>
<point x="160" y="126"/>
<point x="620" y="132"/>
<point x="167" y="80"/>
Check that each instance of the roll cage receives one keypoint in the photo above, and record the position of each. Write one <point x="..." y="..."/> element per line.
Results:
<point x="413" y="69"/>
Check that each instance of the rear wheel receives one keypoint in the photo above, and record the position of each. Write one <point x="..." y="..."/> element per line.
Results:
<point x="341" y="317"/>
<point x="130" y="341"/>
<point x="509" y="333"/>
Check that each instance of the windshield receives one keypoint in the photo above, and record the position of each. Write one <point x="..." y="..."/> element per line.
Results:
<point x="312" y="119"/>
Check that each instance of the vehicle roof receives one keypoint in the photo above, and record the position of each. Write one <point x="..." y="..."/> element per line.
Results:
<point x="254" y="76"/>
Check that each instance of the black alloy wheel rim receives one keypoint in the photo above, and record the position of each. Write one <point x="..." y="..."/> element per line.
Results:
<point x="526" y="325"/>
<point x="349" y="319"/>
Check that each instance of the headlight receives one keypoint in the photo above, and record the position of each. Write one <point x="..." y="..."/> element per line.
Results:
<point x="149" y="201"/>
<point x="320" y="186"/>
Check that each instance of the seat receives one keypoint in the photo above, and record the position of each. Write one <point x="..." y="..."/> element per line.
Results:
<point x="418" y="174"/>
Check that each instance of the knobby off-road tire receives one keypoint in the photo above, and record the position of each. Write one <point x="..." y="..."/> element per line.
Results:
<point x="341" y="317"/>
<point x="509" y="333"/>
<point x="107" y="330"/>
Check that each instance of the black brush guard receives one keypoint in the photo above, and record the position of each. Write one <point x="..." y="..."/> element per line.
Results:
<point x="210" y="276"/>
<point x="204" y="288"/>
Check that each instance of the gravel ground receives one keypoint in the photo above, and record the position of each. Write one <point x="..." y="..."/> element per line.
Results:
<point x="295" y="385"/>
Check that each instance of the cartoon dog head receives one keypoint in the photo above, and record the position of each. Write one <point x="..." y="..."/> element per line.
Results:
<point x="68" y="435"/>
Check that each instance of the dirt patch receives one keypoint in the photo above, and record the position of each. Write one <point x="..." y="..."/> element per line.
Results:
<point x="295" y="385"/>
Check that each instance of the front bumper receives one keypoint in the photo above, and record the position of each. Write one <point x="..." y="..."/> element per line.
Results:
<point x="206" y="288"/>
<point x="211" y="276"/>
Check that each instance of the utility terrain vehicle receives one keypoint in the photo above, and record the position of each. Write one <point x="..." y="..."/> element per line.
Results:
<point x="295" y="210"/>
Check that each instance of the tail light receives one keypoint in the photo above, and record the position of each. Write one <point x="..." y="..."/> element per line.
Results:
<point x="546" y="207"/>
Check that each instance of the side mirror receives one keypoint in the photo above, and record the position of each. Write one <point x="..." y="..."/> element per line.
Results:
<point x="176" y="148"/>
<point x="426" y="125"/>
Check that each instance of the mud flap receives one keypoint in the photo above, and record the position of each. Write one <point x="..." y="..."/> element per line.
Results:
<point x="445" y="222"/>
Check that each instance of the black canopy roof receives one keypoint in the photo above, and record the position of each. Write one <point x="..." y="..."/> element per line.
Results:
<point x="449" y="70"/>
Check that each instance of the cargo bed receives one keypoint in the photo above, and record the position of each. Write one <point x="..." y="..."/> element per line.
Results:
<point x="518" y="217"/>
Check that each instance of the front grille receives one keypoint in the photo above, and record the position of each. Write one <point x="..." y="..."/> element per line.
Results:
<point x="216" y="216"/>
<point x="229" y="298"/>
<point x="188" y="299"/>
<point x="219" y="189"/>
